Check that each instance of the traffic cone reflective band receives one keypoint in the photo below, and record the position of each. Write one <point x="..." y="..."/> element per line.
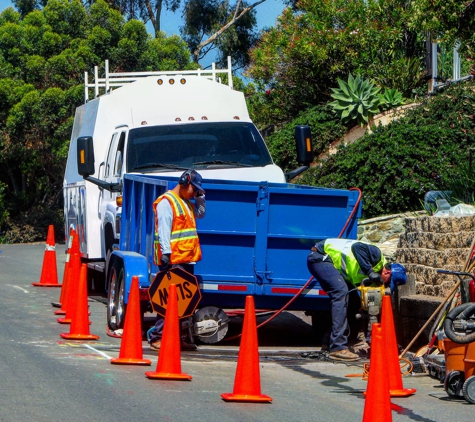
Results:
<point x="79" y="329"/>
<point x="73" y="247"/>
<point x="131" y="352"/>
<point x="247" y="384"/>
<point x="393" y="369"/>
<point x="377" y="405"/>
<point x="72" y="290"/>
<point x="169" y="355"/>
<point x="49" y="272"/>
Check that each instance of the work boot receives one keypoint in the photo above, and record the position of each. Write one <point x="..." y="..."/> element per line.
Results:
<point x="155" y="345"/>
<point x="188" y="346"/>
<point x="344" y="355"/>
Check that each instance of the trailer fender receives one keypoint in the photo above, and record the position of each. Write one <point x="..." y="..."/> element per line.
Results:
<point x="134" y="265"/>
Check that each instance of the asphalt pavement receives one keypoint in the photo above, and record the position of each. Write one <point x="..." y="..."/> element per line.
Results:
<point x="47" y="378"/>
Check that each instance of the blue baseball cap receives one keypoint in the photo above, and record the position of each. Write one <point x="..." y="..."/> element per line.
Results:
<point x="195" y="180"/>
<point x="398" y="276"/>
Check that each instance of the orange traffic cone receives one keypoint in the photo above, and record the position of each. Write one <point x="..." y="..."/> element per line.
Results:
<point x="73" y="248"/>
<point x="393" y="370"/>
<point x="377" y="405"/>
<point x="131" y="346"/>
<point x="169" y="356"/>
<point x="247" y="384"/>
<point x="49" y="272"/>
<point x="79" y="329"/>
<point x="71" y="294"/>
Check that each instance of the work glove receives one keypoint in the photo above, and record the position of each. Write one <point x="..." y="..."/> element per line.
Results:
<point x="374" y="278"/>
<point x="165" y="262"/>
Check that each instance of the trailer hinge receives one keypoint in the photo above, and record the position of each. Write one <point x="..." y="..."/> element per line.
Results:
<point x="262" y="197"/>
<point x="262" y="274"/>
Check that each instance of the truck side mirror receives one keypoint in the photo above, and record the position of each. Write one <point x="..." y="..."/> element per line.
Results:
<point x="85" y="156"/>
<point x="303" y="145"/>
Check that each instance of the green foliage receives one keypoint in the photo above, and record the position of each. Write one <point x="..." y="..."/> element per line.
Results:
<point x="300" y="59"/>
<point x="325" y="129"/>
<point x="391" y="98"/>
<point x="356" y="99"/>
<point x="397" y="164"/>
<point x="447" y="20"/>
<point x="43" y="57"/>
<point x="406" y="74"/>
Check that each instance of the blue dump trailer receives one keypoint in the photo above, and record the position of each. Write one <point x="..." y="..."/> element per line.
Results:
<point x="255" y="239"/>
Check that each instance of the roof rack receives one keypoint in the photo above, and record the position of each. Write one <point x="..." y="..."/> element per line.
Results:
<point x="115" y="80"/>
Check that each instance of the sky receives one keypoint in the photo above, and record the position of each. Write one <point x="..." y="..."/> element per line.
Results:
<point x="267" y="13"/>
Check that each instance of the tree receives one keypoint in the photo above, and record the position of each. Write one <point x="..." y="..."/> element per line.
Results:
<point x="211" y="24"/>
<point x="42" y="62"/>
<point x="446" y="20"/>
<point x="296" y="63"/>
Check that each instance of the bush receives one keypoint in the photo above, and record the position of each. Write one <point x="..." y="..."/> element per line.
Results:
<point x="396" y="164"/>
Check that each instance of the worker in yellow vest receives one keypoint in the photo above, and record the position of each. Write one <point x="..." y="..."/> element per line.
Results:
<point x="339" y="265"/>
<point x="176" y="240"/>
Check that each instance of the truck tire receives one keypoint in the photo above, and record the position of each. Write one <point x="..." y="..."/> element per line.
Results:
<point x="115" y="296"/>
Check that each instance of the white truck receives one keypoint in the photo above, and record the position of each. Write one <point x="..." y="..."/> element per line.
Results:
<point x="157" y="122"/>
<point x="156" y="125"/>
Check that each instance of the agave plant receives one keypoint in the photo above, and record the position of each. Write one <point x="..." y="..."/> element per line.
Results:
<point x="356" y="99"/>
<point x="391" y="98"/>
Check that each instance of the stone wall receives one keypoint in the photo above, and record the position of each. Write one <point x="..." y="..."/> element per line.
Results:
<point x="423" y="244"/>
<point x="430" y="243"/>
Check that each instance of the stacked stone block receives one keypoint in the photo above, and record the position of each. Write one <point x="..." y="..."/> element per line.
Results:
<point x="430" y="243"/>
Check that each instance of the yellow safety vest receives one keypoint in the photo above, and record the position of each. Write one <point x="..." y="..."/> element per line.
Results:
<point x="184" y="242"/>
<point x="345" y="262"/>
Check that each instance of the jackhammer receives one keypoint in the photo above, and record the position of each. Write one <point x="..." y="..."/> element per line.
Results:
<point x="371" y="300"/>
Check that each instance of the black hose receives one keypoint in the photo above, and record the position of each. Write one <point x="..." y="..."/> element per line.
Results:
<point x="457" y="319"/>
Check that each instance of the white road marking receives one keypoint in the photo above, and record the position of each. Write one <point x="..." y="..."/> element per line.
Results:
<point x="19" y="288"/>
<point x="98" y="351"/>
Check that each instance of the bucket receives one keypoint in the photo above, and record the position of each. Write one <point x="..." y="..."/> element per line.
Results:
<point x="454" y="356"/>
<point x="469" y="360"/>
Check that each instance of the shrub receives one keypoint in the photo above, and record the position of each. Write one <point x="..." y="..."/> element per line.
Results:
<point x="396" y="164"/>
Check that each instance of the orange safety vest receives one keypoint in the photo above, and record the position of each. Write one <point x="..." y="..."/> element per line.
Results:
<point x="184" y="241"/>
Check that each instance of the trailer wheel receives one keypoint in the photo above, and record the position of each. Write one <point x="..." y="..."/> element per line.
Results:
<point x="468" y="389"/>
<point x="453" y="383"/>
<point x="115" y="297"/>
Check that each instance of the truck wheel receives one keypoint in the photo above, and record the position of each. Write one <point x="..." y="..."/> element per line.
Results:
<point x="468" y="389"/>
<point x="115" y="297"/>
<point x="453" y="383"/>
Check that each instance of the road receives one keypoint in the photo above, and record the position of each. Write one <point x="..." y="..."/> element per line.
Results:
<point x="46" y="378"/>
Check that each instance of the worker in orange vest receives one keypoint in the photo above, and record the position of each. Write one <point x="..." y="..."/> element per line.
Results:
<point x="176" y="240"/>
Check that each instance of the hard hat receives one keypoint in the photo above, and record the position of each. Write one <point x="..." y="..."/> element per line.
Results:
<point x="398" y="276"/>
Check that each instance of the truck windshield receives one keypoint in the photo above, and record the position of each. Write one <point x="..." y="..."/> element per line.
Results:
<point x="198" y="145"/>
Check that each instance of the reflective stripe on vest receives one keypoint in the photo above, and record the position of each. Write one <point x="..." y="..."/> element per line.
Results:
<point x="345" y="262"/>
<point x="184" y="242"/>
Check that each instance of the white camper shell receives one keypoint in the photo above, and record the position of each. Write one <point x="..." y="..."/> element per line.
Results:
<point x="157" y="122"/>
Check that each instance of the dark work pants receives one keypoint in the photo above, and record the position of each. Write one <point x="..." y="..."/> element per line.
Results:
<point x="156" y="334"/>
<point x="337" y="290"/>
